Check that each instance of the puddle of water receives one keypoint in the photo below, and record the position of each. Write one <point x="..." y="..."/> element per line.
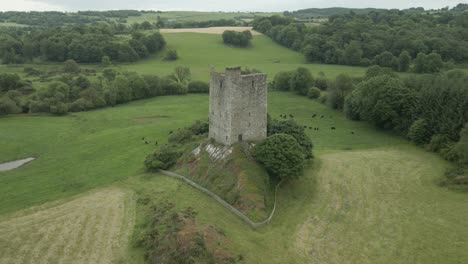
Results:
<point x="11" y="165"/>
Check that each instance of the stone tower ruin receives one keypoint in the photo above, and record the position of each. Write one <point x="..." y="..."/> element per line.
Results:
<point x="238" y="106"/>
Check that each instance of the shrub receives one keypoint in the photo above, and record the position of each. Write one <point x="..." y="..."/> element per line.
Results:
<point x="169" y="86"/>
<point x="291" y="128"/>
<point x="180" y="136"/>
<point x="154" y="84"/>
<point x="106" y="61"/>
<point x="282" y="81"/>
<point x="321" y="82"/>
<point x="313" y="93"/>
<point x="418" y="132"/>
<point x="163" y="159"/>
<point x="239" y="39"/>
<point x="437" y="143"/>
<point x="200" y="127"/>
<point x="198" y="87"/>
<point x="461" y="148"/>
<point x="338" y="90"/>
<point x="8" y="106"/>
<point x="109" y="74"/>
<point x="301" y="80"/>
<point x="38" y="106"/>
<point x="171" y="55"/>
<point x="81" y="104"/>
<point x="281" y="155"/>
<point x="70" y="66"/>
<point x="323" y="98"/>
<point x="59" y="108"/>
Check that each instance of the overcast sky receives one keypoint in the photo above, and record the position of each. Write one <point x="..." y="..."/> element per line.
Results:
<point x="213" y="5"/>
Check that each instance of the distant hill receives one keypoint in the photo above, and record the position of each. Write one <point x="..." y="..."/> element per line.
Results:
<point x="326" y="12"/>
<point x="332" y="11"/>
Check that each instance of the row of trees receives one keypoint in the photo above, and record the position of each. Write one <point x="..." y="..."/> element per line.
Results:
<point x="73" y="91"/>
<point x="390" y="38"/>
<point x="87" y="44"/>
<point x="430" y="110"/>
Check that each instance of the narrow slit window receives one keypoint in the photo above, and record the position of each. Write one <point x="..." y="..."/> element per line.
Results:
<point x="253" y="84"/>
<point x="220" y="84"/>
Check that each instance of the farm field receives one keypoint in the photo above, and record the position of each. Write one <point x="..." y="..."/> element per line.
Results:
<point x="368" y="197"/>
<point x="264" y="55"/>
<point x="93" y="228"/>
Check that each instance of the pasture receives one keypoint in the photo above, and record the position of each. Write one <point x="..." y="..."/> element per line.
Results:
<point x="368" y="197"/>
<point x="264" y="55"/>
<point x="93" y="228"/>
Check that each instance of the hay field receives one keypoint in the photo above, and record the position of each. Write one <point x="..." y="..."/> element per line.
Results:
<point x="93" y="228"/>
<point x="377" y="206"/>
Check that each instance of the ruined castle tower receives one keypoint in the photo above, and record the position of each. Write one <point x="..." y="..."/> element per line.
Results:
<point x="238" y="106"/>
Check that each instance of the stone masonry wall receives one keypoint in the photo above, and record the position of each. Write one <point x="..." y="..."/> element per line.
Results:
<point x="238" y="106"/>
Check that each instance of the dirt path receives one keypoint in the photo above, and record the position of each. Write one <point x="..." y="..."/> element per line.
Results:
<point x="91" y="229"/>
<point x="210" y="30"/>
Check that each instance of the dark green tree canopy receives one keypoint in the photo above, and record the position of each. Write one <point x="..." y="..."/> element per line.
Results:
<point x="281" y="155"/>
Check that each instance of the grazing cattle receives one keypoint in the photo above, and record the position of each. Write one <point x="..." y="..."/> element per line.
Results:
<point x="322" y="116"/>
<point x="310" y="127"/>
<point x="333" y="128"/>
<point x="291" y="116"/>
<point x="156" y="143"/>
<point x="314" y="115"/>
<point x="170" y="132"/>
<point x="305" y="126"/>
<point x="352" y="132"/>
<point x="146" y="142"/>
<point x="143" y="138"/>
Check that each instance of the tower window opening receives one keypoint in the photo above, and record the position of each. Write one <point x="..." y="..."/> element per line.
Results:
<point x="220" y="84"/>
<point x="253" y="84"/>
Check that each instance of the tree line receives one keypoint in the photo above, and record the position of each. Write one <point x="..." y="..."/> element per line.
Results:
<point x="86" y="44"/>
<point x="73" y="91"/>
<point x="431" y="110"/>
<point x="391" y="38"/>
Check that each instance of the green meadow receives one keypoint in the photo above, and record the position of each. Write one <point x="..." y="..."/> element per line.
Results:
<point x="199" y="51"/>
<point x="367" y="197"/>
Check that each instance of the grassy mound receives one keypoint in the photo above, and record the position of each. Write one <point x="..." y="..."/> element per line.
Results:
<point x="230" y="173"/>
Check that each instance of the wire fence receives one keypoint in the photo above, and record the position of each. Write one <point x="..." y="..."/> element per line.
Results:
<point x="224" y="203"/>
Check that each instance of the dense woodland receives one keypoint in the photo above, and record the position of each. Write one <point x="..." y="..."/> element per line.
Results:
<point x="390" y="38"/>
<point x="87" y="44"/>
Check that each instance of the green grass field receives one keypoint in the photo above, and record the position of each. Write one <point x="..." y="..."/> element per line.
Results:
<point x="199" y="51"/>
<point x="368" y="197"/>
